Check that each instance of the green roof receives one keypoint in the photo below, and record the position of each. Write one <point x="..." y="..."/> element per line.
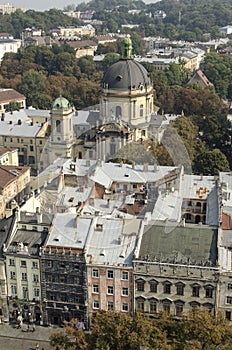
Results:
<point x="61" y="103"/>
<point x="190" y="244"/>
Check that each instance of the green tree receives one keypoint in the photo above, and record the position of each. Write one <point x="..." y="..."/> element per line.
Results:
<point x="211" y="162"/>
<point x="33" y="83"/>
<point x="109" y="59"/>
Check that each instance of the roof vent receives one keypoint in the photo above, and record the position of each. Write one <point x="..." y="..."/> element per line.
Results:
<point x="102" y="252"/>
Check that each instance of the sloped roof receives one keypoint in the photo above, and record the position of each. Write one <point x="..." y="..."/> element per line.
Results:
<point x="200" y="78"/>
<point x="190" y="244"/>
<point x="7" y="95"/>
<point x="9" y="173"/>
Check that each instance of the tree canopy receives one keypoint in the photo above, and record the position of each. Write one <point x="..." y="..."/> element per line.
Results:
<point x="118" y="331"/>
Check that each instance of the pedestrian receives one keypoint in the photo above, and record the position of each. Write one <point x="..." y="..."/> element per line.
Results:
<point x="28" y="327"/>
<point x="19" y="321"/>
<point x="37" y="346"/>
<point x="33" y="327"/>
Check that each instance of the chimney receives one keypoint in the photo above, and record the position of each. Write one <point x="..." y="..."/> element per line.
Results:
<point x="145" y="167"/>
<point x="38" y="216"/>
<point x="19" y="122"/>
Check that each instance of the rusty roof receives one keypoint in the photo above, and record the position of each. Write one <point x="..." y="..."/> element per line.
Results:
<point x="9" y="173"/>
<point x="7" y="95"/>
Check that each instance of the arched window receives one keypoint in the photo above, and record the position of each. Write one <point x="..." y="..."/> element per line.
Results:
<point x="141" y="110"/>
<point x="194" y="304"/>
<point x="180" y="288"/>
<point x="166" y="305"/>
<point x="118" y="111"/>
<point x="179" y="305"/>
<point x="153" y="306"/>
<point x="167" y="287"/>
<point x="209" y="291"/>
<point x="140" y="304"/>
<point x="58" y="126"/>
<point x="140" y="285"/>
<point x="153" y="286"/>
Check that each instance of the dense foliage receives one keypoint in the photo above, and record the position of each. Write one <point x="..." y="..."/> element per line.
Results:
<point x="117" y="331"/>
<point x="42" y="74"/>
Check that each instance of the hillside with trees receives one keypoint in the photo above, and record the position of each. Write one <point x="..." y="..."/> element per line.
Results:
<point x="185" y="19"/>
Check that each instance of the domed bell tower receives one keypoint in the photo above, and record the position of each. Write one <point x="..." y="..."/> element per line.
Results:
<point x="62" y="127"/>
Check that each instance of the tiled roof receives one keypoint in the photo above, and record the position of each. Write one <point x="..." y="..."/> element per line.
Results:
<point x="4" y="150"/>
<point x="7" y="95"/>
<point x="9" y="173"/>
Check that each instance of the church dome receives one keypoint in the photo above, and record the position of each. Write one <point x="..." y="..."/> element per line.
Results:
<point x="126" y="74"/>
<point x="61" y="103"/>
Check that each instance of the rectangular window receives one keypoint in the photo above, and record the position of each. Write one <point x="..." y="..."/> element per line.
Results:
<point x="23" y="263"/>
<point x="125" y="307"/>
<point x="110" y="290"/>
<point x="228" y="315"/>
<point x="110" y="274"/>
<point x="153" y="287"/>
<point x="36" y="292"/>
<point x="35" y="278"/>
<point x="140" y="286"/>
<point x="13" y="291"/>
<point x="25" y="293"/>
<point x="208" y="292"/>
<point x="31" y="148"/>
<point x="125" y="275"/>
<point x="196" y="291"/>
<point x="12" y="275"/>
<point x="34" y="264"/>
<point x="95" y="273"/>
<point x="125" y="292"/>
<point x="180" y="289"/>
<point x="24" y="276"/>
<point x="110" y="305"/>
<point x="229" y="300"/>
<point x="167" y="288"/>
<point x="96" y="304"/>
<point x="12" y="262"/>
<point x="96" y="288"/>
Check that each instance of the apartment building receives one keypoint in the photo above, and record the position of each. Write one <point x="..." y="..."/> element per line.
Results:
<point x="22" y="253"/>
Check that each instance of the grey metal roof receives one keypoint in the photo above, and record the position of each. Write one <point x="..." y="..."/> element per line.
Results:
<point x="126" y="75"/>
<point x="114" y="244"/>
<point x="69" y="230"/>
<point x="190" y="244"/>
<point x="27" y="242"/>
<point x="23" y="130"/>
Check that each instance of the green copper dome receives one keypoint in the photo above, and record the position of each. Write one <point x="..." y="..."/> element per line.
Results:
<point x="61" y="103"/>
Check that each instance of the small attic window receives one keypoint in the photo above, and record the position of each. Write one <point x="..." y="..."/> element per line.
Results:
<point x="126" y="175"/>
<point x="119" y="77"/>
<point x="71" y="199"/>
<point x="56" y="239"/>
<point x="99" y="227"/>
<point x="102" y="252"/>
